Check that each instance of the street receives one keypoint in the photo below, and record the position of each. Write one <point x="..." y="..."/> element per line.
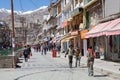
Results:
<point x="44" y="67"/>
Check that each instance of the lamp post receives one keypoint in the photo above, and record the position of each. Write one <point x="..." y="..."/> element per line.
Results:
<point x="13" y="34"/>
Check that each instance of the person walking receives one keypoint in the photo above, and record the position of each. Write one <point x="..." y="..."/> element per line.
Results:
<point x="42" y="49"/>
<point x="58" y="49"/>
<point x="90" y="61"/>
<point x="29" y="51"/>
<point x="70" y="53"/>
<point x="26" y="53"/>
<point x="77" y="56"/>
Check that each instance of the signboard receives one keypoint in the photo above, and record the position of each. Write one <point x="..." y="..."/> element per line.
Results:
<point x="83" y="33"/>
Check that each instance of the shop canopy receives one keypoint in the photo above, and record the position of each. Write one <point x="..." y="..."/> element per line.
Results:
<point x="115" y="30"/>
<point x="110" y="27"/>
<point x="68" y="38"/>
<point x="95" y="32"/>
<point x="107" y="28"/>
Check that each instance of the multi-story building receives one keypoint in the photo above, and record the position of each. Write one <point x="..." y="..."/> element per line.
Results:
<point x="85" y="23"/>
<point x="105" y="34"/>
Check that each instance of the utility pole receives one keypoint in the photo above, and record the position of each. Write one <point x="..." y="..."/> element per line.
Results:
<point x="13" y="34"/>
<point x="22" y="20"/>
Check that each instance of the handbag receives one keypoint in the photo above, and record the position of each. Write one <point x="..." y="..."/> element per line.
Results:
<point x="30" y="53"/>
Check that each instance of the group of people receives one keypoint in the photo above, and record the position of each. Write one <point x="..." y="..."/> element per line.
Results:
<point x="44" y="47"/>
<point x="71" y="52"/>
<point x="90" y="58"/>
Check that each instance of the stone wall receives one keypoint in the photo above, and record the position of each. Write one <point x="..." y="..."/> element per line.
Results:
<point x="6" y="61"/>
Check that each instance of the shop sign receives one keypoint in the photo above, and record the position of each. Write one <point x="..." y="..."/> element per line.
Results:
<point x="83" y="33"/>
<point x="74" y="33"/>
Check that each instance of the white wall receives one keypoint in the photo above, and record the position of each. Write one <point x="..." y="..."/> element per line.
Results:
<point x="112" y="7"/>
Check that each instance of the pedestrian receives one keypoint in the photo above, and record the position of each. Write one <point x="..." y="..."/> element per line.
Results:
<point x="45" y="49"/>
<point x="42" y="46"/>
<point x="25" y="53"/>
<point x="70" y="53"/>
<point x="58" y="49"/>
<point x="29" y="51"/>
<point x="90" y="61"/>
<point x="77" y="56"/>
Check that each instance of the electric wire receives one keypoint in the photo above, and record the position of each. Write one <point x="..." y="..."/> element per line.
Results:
<point x="21" y="5"/>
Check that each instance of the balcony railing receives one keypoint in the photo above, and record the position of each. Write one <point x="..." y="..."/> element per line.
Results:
<point x="87" y="1"/>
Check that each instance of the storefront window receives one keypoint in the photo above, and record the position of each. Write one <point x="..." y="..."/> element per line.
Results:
<point x="110" y="43"/>
<point x="119" y="46"/>
<point x="115" y="44"/>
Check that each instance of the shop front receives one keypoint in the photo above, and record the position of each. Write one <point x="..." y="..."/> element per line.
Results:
<point x="84" y="41"/>
<point x="75" y="39"/>
<point x="107" y="39"/>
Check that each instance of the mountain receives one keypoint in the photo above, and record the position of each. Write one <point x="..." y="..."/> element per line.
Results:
<point x="5" y="12"/>
<point x="32" y="20"/>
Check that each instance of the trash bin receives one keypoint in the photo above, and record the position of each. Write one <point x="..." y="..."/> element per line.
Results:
<point x="53" y="53"/>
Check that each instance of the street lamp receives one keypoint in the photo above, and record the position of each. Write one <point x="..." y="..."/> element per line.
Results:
<point x="13" y="34"/>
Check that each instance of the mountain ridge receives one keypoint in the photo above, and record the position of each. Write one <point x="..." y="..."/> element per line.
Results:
<point x="5" y="12"/>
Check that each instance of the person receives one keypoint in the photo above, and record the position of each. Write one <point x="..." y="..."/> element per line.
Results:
<point x="90" y="61"/>
<point x="25" y="53"/>
<point x="77" y="56"/>
<point x="70" y="53"/>
<point x="58" y="49"/>
<point x="101" y="52"/>
<point x="42" y="46"/>
<point x="29" y="51"/>
<point x="45" y="49"/>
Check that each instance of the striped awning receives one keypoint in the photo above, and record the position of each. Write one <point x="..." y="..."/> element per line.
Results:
<point x="107" y="28"/>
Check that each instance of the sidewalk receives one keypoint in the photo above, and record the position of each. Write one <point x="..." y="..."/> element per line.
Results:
<point x="111" y="68"/>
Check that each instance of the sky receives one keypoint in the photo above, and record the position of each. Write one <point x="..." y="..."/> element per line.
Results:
<point x="24" y="5"/>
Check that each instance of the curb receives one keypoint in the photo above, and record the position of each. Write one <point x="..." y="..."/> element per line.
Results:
<point x="99" y="69"/>
<point x="107" y="72"/>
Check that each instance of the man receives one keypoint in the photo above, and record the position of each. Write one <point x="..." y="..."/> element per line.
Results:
<point x="70" y="53"/>
<point x="29" y="50"/>
<point x="77" y="56"/>
<point x="26" y="53"/>
<point x="90" y="61"/>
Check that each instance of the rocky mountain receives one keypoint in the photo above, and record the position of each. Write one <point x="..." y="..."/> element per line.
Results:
<point x="30" y="20"/>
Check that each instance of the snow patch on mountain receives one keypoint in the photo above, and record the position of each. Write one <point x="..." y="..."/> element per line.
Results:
<point x="29" y="12"/>
<point x="7" y="12"/>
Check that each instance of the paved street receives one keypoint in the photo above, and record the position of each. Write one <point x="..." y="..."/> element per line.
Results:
<point x="44" y="67"/>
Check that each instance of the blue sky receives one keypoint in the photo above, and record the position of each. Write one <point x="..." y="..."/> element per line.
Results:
<point x="24" y="5"/>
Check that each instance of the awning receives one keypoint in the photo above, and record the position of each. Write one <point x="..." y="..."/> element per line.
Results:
<point x="110" y="27"/>
<point x="68" y="38"/>
<point x="114" y="31"/>
<point x="107" y="28"/>
<point x="65" y="23"/>
<point x="94" y="32"/>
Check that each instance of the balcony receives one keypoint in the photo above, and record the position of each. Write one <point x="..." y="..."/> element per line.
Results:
<point x="88" y="3"/>
<point x="67" y="6"/>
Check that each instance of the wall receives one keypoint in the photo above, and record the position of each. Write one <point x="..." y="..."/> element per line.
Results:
<point x="112" y="7"/>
